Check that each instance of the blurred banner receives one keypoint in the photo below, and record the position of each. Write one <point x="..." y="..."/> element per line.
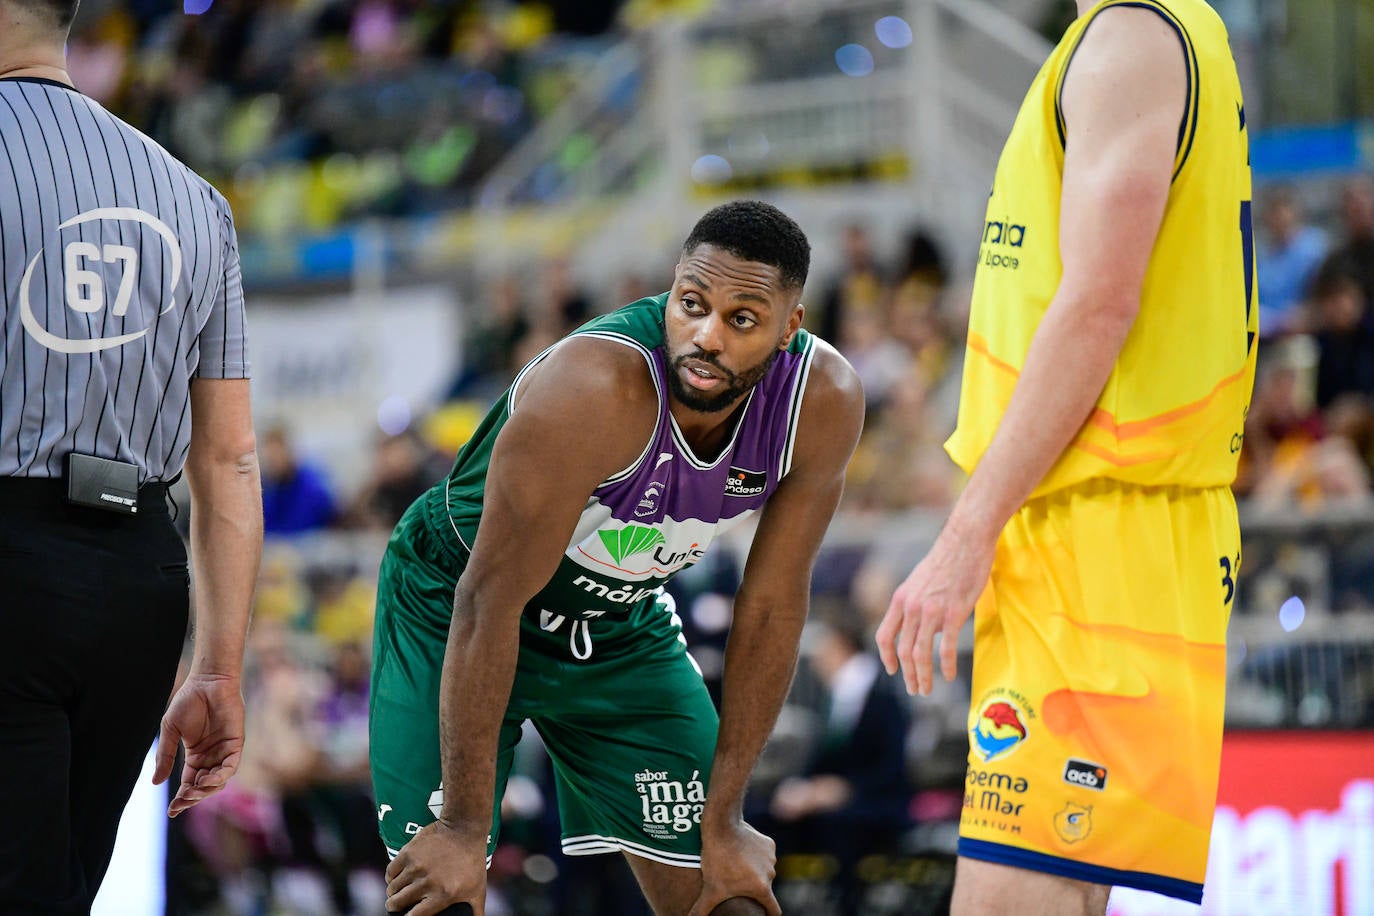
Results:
<point x="339" y="370"/>
<point x="1294" y="830"/>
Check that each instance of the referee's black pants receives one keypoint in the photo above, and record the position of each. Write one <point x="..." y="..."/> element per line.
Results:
<point x="93" y="613"/>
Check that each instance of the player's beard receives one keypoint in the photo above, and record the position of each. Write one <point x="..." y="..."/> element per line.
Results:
<point x="735" y="385"/>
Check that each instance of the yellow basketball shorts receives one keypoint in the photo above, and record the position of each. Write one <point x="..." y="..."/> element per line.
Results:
<point x="1099" y="685"/>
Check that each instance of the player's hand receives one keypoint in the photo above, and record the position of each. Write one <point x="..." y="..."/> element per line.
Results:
<point x="440" y="866"/>
<point x="736" y="861"/>
<point x="205" y="715"/>
<point x="937" y="597"/>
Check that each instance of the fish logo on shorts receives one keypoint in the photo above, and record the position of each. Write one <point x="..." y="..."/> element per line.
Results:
<point x="1001" y="727"/>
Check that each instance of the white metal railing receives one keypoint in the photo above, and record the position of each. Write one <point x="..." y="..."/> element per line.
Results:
<point x="941" y="106"/>
<point x="575" y="113"/>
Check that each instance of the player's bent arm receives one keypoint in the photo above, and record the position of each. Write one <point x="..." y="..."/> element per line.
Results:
<point x="771" y="605"/>
<point x="1123" y="100"/>
<point x="583" y="414"/>
<point x="226" y="522"/>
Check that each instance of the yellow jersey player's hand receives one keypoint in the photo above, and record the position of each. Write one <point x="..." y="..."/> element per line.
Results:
<point x="439" y="867"/>
<point x="937" y="597"/>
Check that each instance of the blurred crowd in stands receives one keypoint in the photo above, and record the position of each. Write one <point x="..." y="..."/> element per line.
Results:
<point x="1309" y="437"/>
<point x="307" y="113"/>
<point x="861" y="785"/>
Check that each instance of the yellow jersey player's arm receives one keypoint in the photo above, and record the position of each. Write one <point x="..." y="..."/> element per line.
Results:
<point x="1123" y="100"/>
<point x="769" y="611"/>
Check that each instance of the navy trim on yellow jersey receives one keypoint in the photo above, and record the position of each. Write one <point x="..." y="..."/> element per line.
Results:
<point x="1079" y="871"/>
<point x="1187" y="127"/>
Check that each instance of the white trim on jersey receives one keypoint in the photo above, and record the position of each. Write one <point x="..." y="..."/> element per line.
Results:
<point x="595" y="844"/>
<point x="448" y="513"/>
<point x="727" y="450"/>
<point x="794" y="414"/>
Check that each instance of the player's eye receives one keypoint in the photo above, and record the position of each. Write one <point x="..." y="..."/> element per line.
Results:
<point x="743" y="320"/>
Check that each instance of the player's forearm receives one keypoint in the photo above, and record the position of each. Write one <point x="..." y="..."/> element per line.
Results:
<point x="1068" y="364"/>
<point x="226" y="548"/>
<point x="479" y="669"/>
<point x="760" y="659"/>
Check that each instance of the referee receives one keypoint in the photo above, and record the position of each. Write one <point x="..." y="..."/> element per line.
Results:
<point x="122" y="361"/>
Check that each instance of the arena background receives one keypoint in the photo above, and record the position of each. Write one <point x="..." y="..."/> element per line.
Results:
<point x="429" y="192"/>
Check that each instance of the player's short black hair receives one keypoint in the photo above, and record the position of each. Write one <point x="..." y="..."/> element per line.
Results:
<point x="62" y="11"/>
<point x="756" y="231"/>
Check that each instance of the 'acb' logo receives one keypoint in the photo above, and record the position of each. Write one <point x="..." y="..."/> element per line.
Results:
<point x="1085" y="773"/>
<point x="84" y="276"/>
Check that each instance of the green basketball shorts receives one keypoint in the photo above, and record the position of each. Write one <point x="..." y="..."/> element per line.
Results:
<point x="620" y="705"/>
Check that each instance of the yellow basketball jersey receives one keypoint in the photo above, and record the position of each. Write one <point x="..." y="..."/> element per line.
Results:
<point x="1173" y="410"/>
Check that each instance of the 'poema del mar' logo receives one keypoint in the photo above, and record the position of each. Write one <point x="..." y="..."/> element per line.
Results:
<point x="630" y="540"/>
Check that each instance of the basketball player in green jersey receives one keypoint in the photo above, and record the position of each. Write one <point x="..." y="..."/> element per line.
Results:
<point x="613" y="462"/>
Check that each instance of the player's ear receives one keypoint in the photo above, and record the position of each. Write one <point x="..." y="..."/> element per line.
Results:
<point x="794" y="323"/>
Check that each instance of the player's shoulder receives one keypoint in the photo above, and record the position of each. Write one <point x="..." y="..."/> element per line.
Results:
<point x="833" y="388"/>
<point x="586" y="373"/>
<point x="1138" y="38"/>
<point x="194" y="183"/>
<point x="831" y="415"/>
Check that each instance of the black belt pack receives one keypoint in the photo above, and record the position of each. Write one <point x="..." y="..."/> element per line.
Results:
<point x="101" y="483"/>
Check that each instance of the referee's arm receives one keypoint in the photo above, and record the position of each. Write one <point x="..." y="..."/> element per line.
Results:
<point x="226" y="522"/>
<point x="226" y="546"/>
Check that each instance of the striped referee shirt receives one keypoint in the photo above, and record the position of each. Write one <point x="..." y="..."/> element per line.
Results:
<point x="120" y="271"/>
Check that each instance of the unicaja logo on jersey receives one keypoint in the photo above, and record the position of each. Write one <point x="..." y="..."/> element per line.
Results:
<point x="630" y="540"/>
<point x="636" y="551"/>
<point x="84" y="282"/>
<point x="1000" y="729"/>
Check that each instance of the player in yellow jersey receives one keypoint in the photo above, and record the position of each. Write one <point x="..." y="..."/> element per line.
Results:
<point x="1109" y="368"/>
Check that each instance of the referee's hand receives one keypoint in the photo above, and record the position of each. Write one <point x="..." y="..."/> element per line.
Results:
<point x="205" y="715"/>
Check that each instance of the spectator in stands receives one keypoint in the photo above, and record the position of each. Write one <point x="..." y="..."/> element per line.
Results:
<point x="915" y="313"/>
<point x="900" y="463"/>
<point x="498" y="323"/>
<point x="1328" y="473"/>
<point x="852" y="796"/>
<point x="859" y="285"/>
<point x="331" y="818"/>
<point x="1345" y="340"/>
<point x="1290" y="252"/>
<point x="282" y="596"/>
<point x="403" y="467"/>
<point x="1283" y="423"/>
<point x="633" y="286"/>
<point x="865" y="338"/>
<point x="98" y="55"/>
<point x="561" y="302"/>
<point x="1354" y="255"/>
<point x="344" y="606"/>
<point x="295" y="494"/>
